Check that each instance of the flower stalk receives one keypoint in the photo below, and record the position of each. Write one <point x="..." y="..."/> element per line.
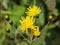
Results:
<point x="34" y="2"/>
<point x="31" y="36"/>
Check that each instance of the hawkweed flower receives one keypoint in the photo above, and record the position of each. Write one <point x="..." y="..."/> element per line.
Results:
<point x="26" y="23"/>
<point x="36" y="31"/>
<point x="50" y="17"/>
<point x="6" y="16"/>
<point x="33" y="11"/>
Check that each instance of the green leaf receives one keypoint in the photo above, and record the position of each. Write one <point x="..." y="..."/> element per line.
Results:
<point x="55" y="12"/>
<point x="14" y="18"/>
<point x="18" y="10"/>
<point x="41" y="19"/>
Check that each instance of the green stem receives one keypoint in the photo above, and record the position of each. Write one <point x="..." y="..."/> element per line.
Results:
<point x="34" y="2"/>
<point x="30" y="38"/>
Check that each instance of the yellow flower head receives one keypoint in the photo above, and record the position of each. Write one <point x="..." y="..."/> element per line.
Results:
<point x="6" y="16"/>
<point x="33" y="11"/>
<point x="50" y="17"/>
<point x="27" y="22"/>
<point x="36" y="32"/>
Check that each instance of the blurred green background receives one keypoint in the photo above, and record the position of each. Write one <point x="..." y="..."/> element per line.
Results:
<point x="9" y="28"/>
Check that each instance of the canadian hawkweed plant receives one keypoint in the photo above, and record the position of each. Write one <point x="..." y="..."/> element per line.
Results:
<point x="28" y="23"/>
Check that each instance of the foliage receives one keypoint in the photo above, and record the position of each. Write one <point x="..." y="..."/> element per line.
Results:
<point x="10" y="27"/>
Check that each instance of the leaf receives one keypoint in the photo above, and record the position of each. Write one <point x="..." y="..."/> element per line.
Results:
<point x="14" y="19"/>
<point x="55" y="12"/>
<point x="18" y="10"/>
<point x="41" y="19"/>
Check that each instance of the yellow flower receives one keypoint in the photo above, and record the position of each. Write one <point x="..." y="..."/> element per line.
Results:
<point x="6" y="16"/>
<point x="33" y="11"/>
<point x="26" y="23"/>
<point x="36" y="32"/>
<point x="50" y="17"/>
